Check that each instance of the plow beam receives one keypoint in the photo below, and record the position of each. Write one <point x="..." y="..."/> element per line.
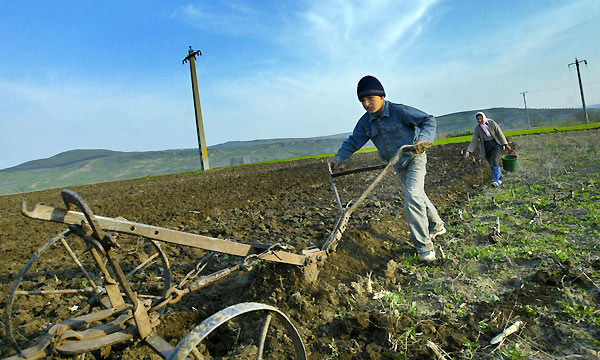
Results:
<point x="68" y="217"/>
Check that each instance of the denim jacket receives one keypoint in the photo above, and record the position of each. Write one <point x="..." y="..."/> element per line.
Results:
<point x="397" y="125"/>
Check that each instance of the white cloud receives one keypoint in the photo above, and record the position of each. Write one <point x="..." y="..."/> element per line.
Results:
<point x="331" y="45"/>
<point x="235" y="18"/>
<point x="525" y="54"/>
<point x="336" y="42"/>
<point x="354" y="32"/>
<point x="532" y="35"/>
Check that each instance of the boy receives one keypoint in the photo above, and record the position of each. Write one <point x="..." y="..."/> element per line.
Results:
<point x="391" y="126"/>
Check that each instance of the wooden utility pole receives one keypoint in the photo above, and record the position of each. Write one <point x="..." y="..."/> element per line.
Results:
<point x="526" y="111"/>
<point x="576" y="63"/>
<point x="199" y="125"/>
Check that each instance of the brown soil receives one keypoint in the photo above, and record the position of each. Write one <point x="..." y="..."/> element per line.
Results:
<point x="290" y="203"/>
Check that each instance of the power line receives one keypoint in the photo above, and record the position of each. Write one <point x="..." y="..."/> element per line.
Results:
<point x="553" y="89"/>
<point x="562" y="87"/>
<point x="589" y="82"/>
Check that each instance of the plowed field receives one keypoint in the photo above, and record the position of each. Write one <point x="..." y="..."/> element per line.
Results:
<point x="290" y="203"/>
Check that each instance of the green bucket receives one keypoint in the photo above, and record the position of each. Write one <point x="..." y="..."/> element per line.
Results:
<point x="509" y="162"/>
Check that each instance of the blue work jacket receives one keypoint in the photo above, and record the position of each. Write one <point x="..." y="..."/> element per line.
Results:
<point x="397" y="125"/>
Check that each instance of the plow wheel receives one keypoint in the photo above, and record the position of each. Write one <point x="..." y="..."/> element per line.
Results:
<point x="245" y="331"/>
<point x="63" y="280"/>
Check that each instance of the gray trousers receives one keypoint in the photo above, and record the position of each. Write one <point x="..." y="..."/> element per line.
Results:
<point x="421" y="214"/>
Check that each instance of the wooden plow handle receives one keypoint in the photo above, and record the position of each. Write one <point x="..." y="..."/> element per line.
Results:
<point x="345" y="212"/>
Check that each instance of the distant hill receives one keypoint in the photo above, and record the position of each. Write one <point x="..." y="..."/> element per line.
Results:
<point x="513" y="119"/>
<point x="79" y="167"/>
<point x="64" y="159"/>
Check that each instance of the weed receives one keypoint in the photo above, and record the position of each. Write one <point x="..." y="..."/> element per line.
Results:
<point x="340" y="314"/>
<point x="408" y="336"/>
<point x="513" y="353"/>
<point x="483" y="326"/>
<point x="333" y="348"/>
<point x="398" y="303"/>
<point x="470" y="271"/>
<point x="530" y="310"/>
<point x="580" y="312"/>
<point x="411" y="262"/>
<point x="350" y="306"/>
<point x="470" y="348"/>
<point x="462" y="311"/>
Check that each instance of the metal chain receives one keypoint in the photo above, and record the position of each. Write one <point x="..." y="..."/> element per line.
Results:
<point x="196" y="271"/>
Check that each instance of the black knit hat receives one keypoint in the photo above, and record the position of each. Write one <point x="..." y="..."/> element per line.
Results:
<point x="369" y="86"/>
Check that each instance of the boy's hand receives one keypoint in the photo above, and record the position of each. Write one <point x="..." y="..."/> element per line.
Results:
<point x="420" y="149"/>
<point x="333" y="164"/>
<point x="467" y="154"/>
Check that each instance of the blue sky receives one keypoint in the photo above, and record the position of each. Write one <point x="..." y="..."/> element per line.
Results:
<point x="108" y="74"/>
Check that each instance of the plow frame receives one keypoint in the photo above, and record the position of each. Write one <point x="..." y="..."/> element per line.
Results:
<point x="133" y="316"/>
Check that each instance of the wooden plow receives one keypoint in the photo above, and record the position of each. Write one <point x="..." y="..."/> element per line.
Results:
<point x="116" y="282"/>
